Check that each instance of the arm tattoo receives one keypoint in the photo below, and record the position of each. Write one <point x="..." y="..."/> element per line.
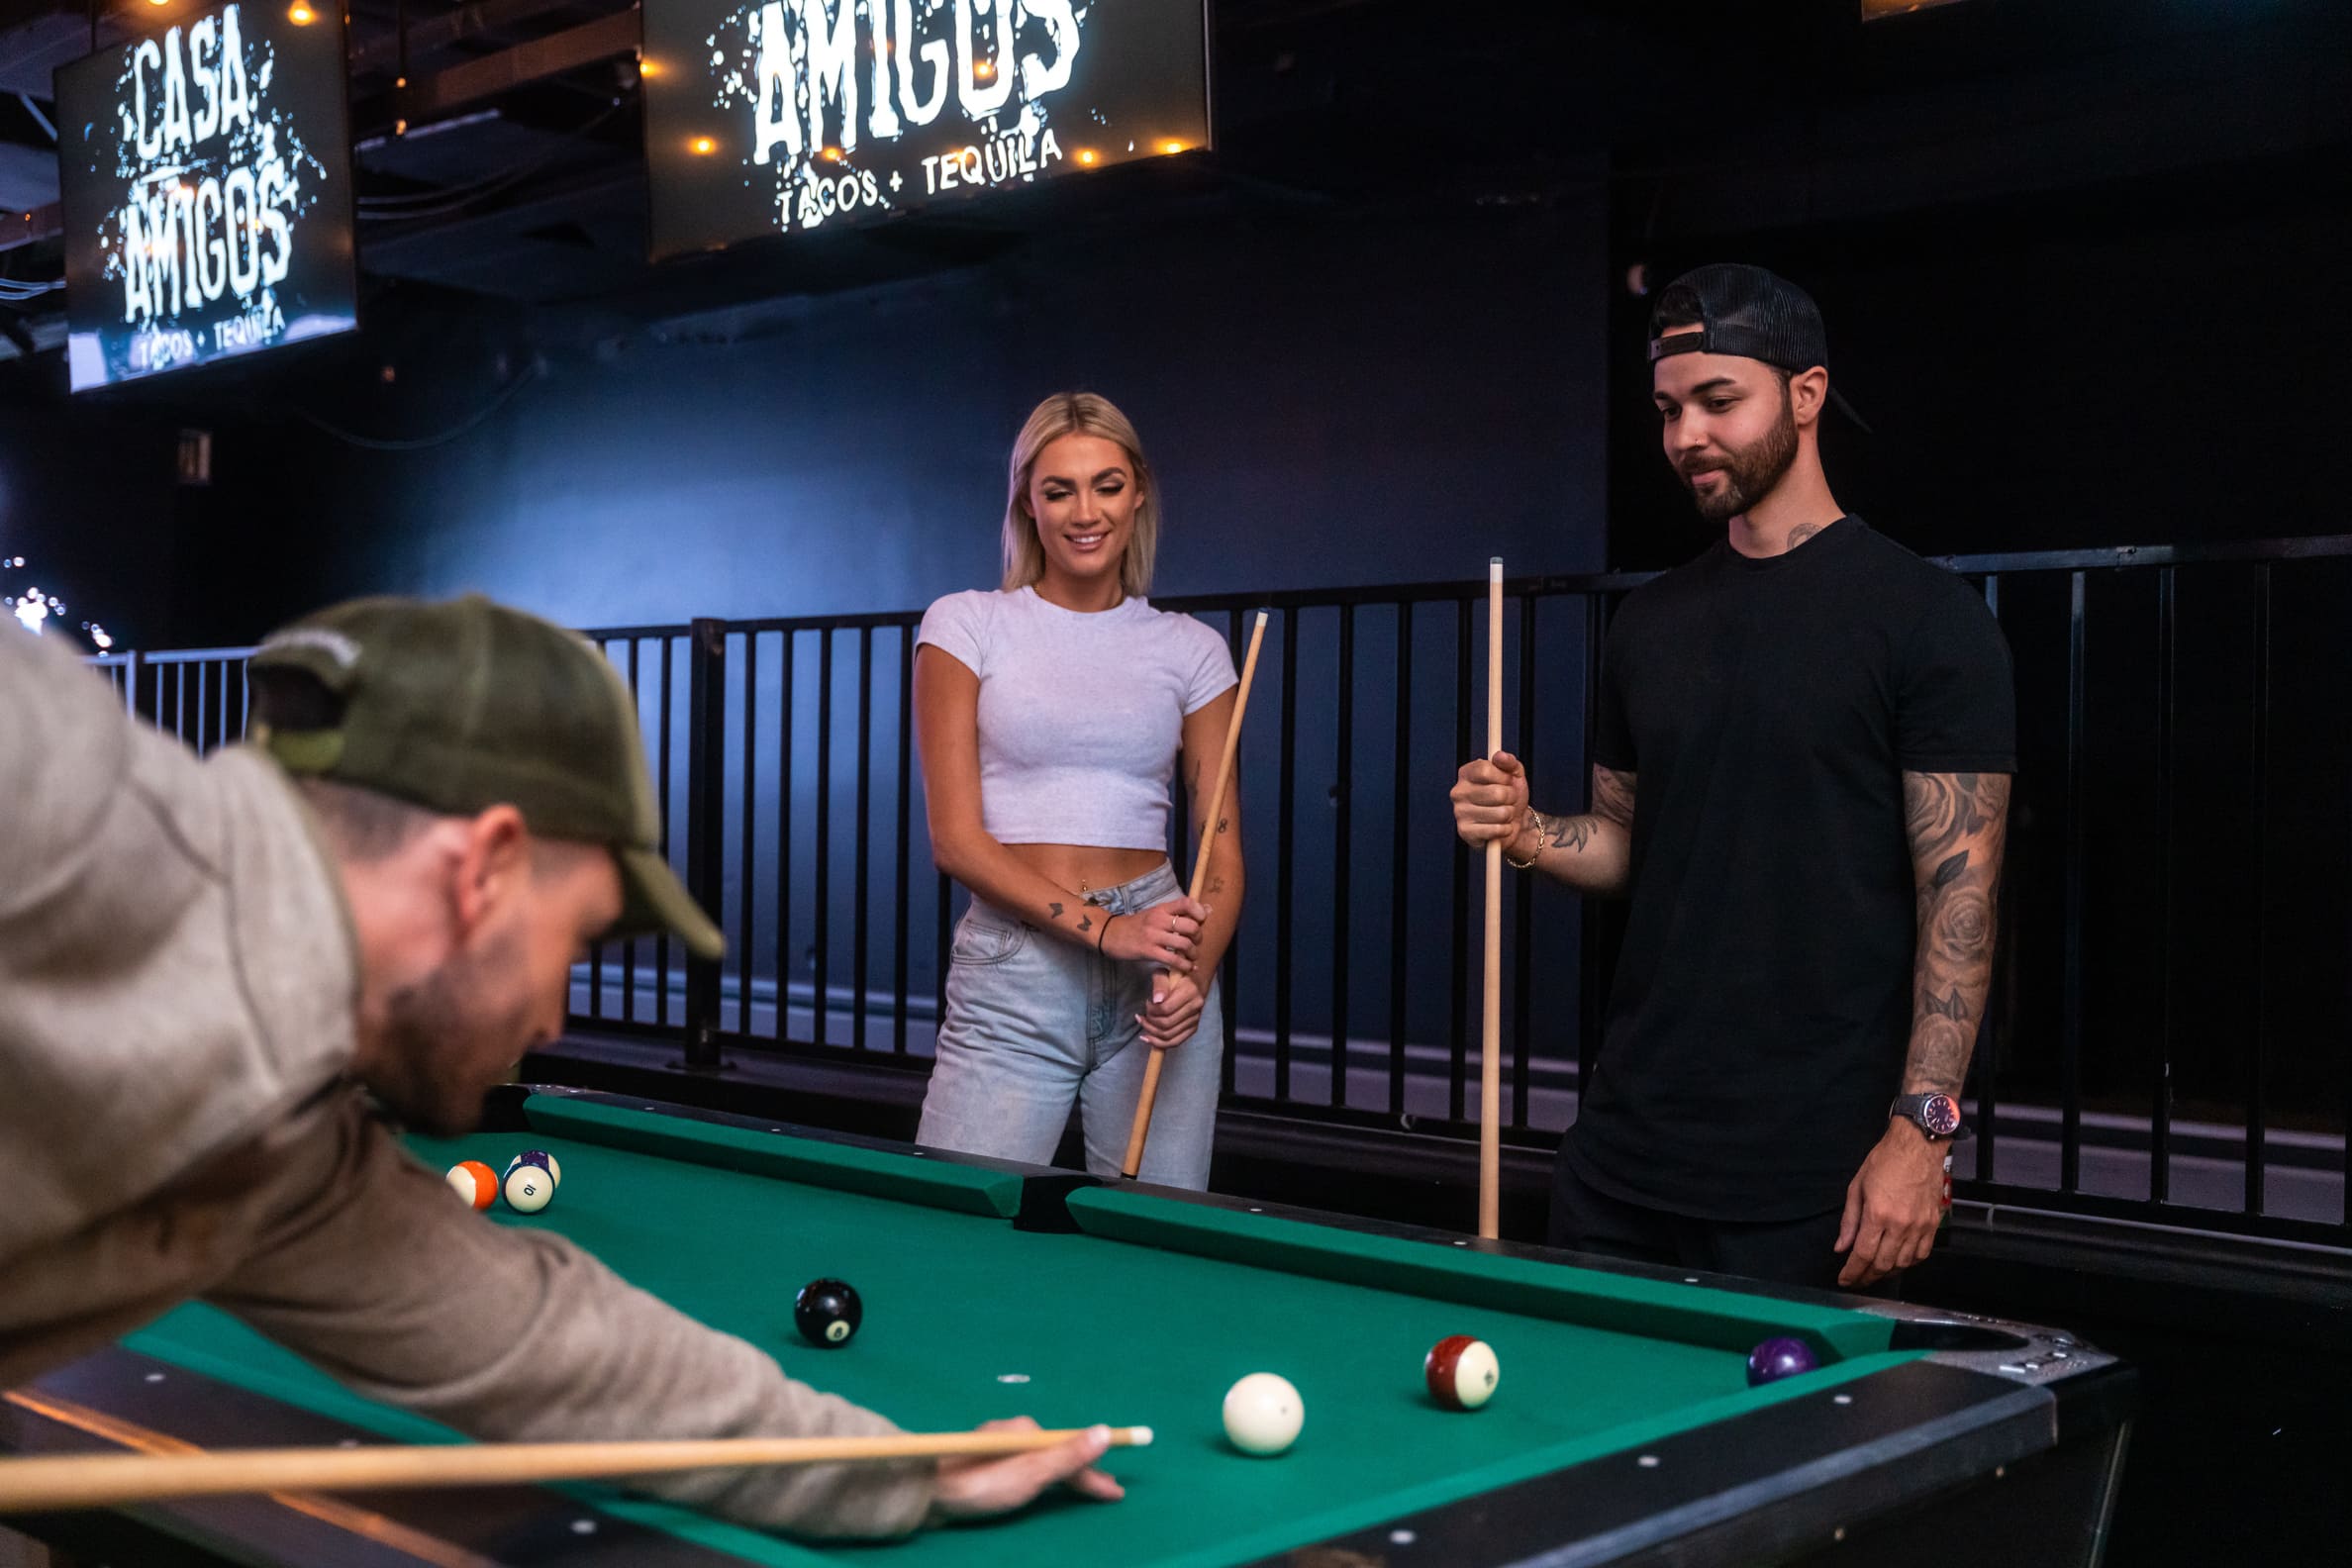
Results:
<point x="1612" y="801"/>
<point x="1957" y="824"/>
<point x="1055" y="910"/>
<point x="1086" y="923"/>
<point x="1940" y="810"/>
<point x="1613" y="796"/>
<point x="1566" y="833"/>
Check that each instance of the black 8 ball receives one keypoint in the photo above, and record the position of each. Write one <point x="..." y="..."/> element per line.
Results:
<point x="826" y="1312"/>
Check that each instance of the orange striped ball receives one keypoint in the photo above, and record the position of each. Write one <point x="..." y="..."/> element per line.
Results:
<point x="474" y="1182"/>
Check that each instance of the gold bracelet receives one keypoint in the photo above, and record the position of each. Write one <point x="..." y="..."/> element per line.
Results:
<point x="1541" y="844"/>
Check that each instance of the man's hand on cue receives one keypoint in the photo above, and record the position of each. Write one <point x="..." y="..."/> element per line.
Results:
<point x="1893" y="1206"/>
<point x="1490" y="800"/>
<point x="970" y="1489"/>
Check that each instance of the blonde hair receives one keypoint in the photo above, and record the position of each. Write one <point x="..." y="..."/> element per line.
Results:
<point x="1077" y="414"/>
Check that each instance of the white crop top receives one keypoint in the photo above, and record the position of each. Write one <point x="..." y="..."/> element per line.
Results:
<point x="1081" y="715"/>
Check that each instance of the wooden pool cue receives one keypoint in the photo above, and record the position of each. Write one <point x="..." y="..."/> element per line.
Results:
<point x="108" y="1480"/>
<point x="1490" y="1057"/>
<point x="1200" y="879"/>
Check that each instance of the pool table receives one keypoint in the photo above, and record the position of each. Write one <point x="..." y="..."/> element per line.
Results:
<point x="1622" y="1431"/>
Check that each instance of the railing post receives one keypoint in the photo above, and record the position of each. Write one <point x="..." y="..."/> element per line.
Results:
<point x="706" y="830"/>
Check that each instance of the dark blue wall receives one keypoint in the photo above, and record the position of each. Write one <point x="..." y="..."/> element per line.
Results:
<point x="1329" y="404"/>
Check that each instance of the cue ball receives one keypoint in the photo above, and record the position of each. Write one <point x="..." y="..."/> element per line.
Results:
<point x="1263" y="1413"/>
<point x="539" y="1157"/>
<point x="474" y="1182"/>
<point x="1461" y="1372"/>
<point x="827" y="1312"/>
<point x="1778" y="1358"/>
<point x="528" y="1188"/>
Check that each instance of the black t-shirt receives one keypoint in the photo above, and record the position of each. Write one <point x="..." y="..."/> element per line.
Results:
<point x="1762" y="1004"/>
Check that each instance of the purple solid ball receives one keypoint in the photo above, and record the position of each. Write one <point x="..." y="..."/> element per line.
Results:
<point x="1778" y="1358"/>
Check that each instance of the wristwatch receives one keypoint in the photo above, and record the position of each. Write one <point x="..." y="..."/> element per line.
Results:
<point x="1936" y="1114"/>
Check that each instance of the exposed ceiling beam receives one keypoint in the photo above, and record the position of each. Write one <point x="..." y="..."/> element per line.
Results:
<point x="45" y="332"/>
<point x="39" y="117"/>
<point x="28" y="227"/>
<point x="12" y="328"/>
<point x="382" y="54"/>
<point x="557" y="52"/>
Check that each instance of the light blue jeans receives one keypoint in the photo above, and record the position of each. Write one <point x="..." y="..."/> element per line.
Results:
<point x="1034" y="1024"/>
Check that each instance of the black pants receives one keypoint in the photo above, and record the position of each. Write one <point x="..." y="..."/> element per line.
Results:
<point x="1783" y="1251"/>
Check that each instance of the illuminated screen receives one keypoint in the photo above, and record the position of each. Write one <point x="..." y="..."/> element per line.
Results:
<point x="787" y="116"/>
<point x="207" y="185"/>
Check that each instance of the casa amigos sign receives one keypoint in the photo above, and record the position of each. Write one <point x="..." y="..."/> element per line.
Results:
<point x="205" y="176"/>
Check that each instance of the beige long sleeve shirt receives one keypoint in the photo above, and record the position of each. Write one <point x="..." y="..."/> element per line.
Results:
<point x="177" y="979"/>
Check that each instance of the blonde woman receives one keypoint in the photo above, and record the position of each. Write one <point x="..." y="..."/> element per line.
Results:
<point x="1052" y="714"/>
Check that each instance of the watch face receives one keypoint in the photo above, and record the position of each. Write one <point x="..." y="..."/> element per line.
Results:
<point x="1941" y="1114"/>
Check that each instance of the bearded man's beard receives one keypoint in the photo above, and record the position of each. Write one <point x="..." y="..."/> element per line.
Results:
<point x="442" y="1053"/>
<point x="1749" y="475"/>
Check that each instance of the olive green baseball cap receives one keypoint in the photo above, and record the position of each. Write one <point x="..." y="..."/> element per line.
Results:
<point x="465" y="704"/>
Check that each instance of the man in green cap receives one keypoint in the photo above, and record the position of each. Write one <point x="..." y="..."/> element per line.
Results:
<point x="216" y="976"/>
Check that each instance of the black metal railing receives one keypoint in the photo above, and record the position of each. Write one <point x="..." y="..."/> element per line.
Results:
<point x="782" y="752"/>
<point x="197" y="694"/>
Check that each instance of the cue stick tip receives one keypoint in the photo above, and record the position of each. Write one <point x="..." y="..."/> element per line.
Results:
<point x="1130" y="1436"/>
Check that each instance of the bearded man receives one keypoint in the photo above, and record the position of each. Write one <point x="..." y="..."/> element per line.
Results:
<point x="1800" y="776"/>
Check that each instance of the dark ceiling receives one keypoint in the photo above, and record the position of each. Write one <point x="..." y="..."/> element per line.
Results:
<point x="519" y="174"/>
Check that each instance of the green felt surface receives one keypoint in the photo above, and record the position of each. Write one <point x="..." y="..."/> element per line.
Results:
<point x="1145" y="1317"/>
<point x="844" y="1167"/>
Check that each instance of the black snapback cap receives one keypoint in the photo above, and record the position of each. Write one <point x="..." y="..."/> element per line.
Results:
<point x="1751" y="314"/>
<point x="1743" y="311"/>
